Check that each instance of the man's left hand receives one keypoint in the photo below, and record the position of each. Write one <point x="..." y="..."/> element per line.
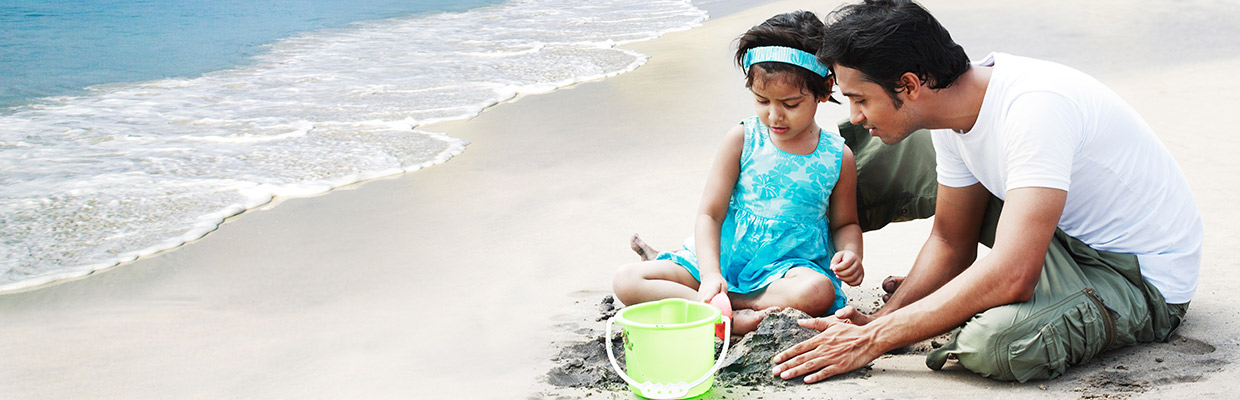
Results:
<point x="841" y="347"/>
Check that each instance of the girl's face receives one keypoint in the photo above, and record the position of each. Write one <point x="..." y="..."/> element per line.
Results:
<point x="787" y="109"/>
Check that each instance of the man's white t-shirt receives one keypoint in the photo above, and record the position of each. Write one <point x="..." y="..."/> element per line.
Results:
<point x="1043" y="124"/>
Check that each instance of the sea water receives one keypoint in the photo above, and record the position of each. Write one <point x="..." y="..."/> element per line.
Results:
<point x="131" y="127"/>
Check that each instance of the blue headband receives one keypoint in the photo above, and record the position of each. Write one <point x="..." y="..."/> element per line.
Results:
<point x="785" y="55"/>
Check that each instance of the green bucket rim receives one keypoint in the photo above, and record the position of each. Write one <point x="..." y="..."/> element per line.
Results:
<point x="715" y="315"/>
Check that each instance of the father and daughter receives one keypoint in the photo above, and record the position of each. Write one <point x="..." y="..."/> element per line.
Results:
<point x="777" y="226"/>
<point x="1095" y="237"/>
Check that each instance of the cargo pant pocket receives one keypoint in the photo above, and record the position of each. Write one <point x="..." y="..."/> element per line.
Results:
<point x="1044" y="345"/>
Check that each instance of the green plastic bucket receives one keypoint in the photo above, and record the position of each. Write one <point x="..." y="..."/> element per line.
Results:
<point x="669" y="347"/>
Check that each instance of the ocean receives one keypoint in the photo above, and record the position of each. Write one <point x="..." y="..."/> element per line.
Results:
<point x="128" y="128"/>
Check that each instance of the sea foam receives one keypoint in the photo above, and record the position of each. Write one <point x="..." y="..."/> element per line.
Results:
<point x="128" y="170"/>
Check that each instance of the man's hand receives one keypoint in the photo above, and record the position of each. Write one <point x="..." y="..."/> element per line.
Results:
<point x="841" y="347"/>
<point x="847" y="266"/>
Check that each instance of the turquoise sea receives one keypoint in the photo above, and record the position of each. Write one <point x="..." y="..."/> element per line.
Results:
<point x="131" y="127"/>
<point x="52" y="48"/>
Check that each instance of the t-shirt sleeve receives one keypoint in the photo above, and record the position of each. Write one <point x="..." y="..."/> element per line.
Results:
<point x="1043" y="132"/>
<point x="951" y="169"/>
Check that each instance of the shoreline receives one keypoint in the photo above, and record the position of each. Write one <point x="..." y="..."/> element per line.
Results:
<point x="464" y="279"/>
<point x="209" y="220"/>
<point x="209" y="223"/>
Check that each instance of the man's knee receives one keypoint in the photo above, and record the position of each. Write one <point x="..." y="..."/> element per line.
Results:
<point x="1018" y="343"/>
<point x="981" y="344"/>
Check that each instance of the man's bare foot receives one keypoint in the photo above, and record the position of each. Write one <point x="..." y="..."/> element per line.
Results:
<point x="890" y="285"/>
<point x="642" y="249"/>
<point x="745" y="320"/>
<point x="851" y="315"/>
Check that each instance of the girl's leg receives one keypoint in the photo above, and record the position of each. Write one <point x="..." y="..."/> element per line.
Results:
<point x="653" y="280"/>
<point x="661" y="279"/>
<point x="745" y="320"/>
<point x="642" y="249"/>
<point x="801" y="288"/>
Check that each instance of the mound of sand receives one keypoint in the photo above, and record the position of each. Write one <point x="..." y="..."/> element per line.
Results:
<point x="584" y="364"/>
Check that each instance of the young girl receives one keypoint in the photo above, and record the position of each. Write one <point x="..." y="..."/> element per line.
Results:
<point x="777" y="226"/>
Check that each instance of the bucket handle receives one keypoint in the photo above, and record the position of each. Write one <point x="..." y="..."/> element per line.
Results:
<point x="667" y="391"/>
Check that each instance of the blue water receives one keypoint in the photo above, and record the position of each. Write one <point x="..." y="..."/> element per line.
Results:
<point x="59" y="47"/>
<point x="130" y="127"/>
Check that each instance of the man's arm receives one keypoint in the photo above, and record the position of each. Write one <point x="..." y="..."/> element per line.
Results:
<point x="1007" y="275"/>
<point x="951" y="247"/>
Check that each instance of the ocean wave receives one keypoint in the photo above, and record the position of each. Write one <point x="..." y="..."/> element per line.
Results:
<point x="128" y="170"/>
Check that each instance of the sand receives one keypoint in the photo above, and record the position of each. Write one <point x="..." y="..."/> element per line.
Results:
<point x="466" y="279"/>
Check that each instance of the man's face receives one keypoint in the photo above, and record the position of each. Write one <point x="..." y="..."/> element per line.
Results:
<point x="870" y="106"/>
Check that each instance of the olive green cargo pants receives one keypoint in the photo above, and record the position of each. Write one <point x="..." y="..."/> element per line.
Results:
<point x="1085" y="302"/>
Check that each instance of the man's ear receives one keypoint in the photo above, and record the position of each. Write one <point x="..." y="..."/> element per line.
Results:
<point x="912" y="85"/>
<point x="830" y="82"/>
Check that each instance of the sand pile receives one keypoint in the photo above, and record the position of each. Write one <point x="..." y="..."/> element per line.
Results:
<point x="748" y="362"/>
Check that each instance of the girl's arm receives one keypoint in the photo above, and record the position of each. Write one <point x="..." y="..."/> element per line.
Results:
<point x="714" y="209"/>
<point x="845" y="231"/>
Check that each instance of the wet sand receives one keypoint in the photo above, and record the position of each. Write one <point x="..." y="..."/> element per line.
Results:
<point x="467" y="278"/>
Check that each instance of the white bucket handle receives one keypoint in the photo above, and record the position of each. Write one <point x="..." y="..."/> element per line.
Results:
<point x="668" y="391"/>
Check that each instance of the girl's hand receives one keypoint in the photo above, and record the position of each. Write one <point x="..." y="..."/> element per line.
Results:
<point x="711" y="286"/>
<point x="847" y="266"/>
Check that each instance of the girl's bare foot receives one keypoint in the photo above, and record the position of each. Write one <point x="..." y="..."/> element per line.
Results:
<point x="642" y="249"/>
<point x="890" y="285"/>
<point x="745" y="320"/>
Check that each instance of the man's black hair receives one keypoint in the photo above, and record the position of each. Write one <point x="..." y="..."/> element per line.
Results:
<point x="884" y="39"/>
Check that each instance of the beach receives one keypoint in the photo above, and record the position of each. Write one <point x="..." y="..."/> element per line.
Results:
<point x="464" y="279"/>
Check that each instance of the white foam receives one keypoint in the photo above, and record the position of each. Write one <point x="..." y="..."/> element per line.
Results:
<point x="302" y="128"/>
<point x="129" y="170"/>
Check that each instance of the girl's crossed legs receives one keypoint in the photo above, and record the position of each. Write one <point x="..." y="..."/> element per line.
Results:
<point x="801" y="288"/>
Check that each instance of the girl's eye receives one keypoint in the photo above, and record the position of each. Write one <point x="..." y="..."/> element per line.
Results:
<point x="792" y="105"/>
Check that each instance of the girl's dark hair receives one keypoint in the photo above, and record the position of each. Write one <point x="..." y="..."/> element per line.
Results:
<point x="884" y="39"/>
<point x="800" y="30"/>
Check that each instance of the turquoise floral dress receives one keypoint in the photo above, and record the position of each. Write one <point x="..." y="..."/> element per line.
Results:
<point x="777" y="218"/>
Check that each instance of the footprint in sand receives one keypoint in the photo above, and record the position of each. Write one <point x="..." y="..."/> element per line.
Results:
<point x="1187" y="345"/>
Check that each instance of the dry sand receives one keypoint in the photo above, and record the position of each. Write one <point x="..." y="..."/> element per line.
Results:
<point x="466" y="278"/>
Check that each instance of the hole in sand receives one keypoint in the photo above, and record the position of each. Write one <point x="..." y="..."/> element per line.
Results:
<point x="1187" y="345"/>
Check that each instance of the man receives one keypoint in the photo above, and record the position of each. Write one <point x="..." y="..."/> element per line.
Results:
<point x="1095" y="238"/>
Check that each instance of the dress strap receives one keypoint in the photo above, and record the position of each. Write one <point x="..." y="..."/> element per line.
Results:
<point x="832" y="142"/>
<point x="753" y="136"/>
